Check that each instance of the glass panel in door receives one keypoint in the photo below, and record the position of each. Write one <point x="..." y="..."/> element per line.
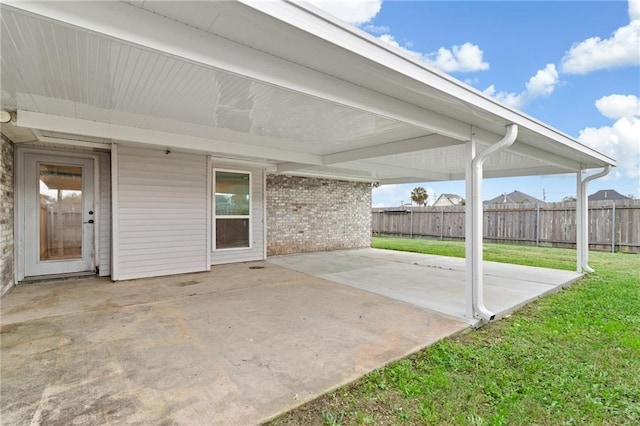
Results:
<point x="232" y="210"/>
<point x="58" y="217"/>
<point x="60" y="212"/>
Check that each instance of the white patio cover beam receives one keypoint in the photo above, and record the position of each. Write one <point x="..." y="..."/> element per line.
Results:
<point x="399" y="147"/>
<point x="529" y="151"/>
<point x="389" y="172"/>
<point x="421" y="143"/>
<point x="290" y="167"/>
<point x="397" y="181"/>
<point x="55" y="123"/>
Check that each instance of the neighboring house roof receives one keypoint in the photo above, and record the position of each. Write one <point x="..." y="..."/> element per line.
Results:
<point x="607" y="194"/>
<point x="279" y="83"/>
<point x="448" y="200"/>
<point x="515" y="197"/>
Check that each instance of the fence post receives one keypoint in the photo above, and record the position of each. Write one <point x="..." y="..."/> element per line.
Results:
<point x="411" y="223"/>
<point x="613" y="228"/>
<point x="537" y="225"/>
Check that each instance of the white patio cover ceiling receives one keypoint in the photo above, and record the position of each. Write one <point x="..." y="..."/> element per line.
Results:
<point x="275" y="82"/>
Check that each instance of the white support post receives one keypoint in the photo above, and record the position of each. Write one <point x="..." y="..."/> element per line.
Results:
<point x="115" y="229"/>
<point x="579" y="221"/>
<point x="470" y="154"/>
<point x="582" y="219"/>
<point x="477" y="236"/>
<point x="473" y="220"/>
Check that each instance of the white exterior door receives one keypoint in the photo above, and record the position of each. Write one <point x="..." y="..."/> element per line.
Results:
<point x="59" y="214"/>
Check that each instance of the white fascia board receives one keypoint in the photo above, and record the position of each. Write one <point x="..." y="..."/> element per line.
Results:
<point x="422" y="143"/>
<point x="399" y="181"/>
<point x="529" y="171"/>
<point x="529" y="151"/>
<point x="71" y="142"/>
<point x="370" y="172"/>
<point x="133" y="25"/>
<point x="385" y="171"/>
<point x="269" y="167"/>
<point x="290" y="167"/>
<point x="321" y="24"/>
<point x="335" y="176"/>
<point x="55" y="123"/>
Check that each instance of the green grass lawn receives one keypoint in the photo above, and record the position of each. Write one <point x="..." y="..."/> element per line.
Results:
<point x="569" y="358"/>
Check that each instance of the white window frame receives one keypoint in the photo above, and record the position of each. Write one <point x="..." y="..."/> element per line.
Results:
<point x="214" y="216"/>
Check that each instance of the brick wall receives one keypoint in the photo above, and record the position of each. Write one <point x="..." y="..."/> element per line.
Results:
<point x="6" y="214"/>
<point x="309" y="214"/>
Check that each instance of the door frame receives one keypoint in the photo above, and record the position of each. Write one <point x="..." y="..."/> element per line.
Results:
<point x="20" y="201"/>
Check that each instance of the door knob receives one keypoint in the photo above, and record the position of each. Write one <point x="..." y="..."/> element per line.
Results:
<point x="89" y="221"/>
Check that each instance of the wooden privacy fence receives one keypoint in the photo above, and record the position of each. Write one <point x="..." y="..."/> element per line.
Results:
<point x="612" y="227"/>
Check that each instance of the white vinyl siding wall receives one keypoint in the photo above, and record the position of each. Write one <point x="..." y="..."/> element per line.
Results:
<point x="256" y="252"/>
<point x="104" y="211"/>
<point x="162" y="213"/>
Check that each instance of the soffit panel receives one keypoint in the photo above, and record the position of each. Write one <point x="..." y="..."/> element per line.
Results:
<point x="122" y="84"/>
<point x="235" y="21"/>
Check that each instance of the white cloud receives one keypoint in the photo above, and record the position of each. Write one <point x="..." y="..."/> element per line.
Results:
<point x="618" y="106"/>
<point x="465" y="58"/>
<point x="621" y="49"/>
<point x="355" y="12"/>
<point x="621" y="140"/>
<point x="634" y="10"/>
<point x="543" y="83"/>
<point x="376" y="29"/>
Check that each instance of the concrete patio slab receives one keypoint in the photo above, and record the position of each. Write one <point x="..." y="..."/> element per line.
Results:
<point x="238" y="345"/>
<point x="429" y="281"/>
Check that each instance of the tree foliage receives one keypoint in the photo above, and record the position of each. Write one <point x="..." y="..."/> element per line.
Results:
<point x="419" y="196"/>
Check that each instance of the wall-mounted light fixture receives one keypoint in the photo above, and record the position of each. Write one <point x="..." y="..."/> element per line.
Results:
<point x="5" y="116"/>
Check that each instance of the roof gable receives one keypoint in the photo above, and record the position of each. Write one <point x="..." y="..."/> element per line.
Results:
<point x="607" y="194"/>
<point x="515" y="197"/>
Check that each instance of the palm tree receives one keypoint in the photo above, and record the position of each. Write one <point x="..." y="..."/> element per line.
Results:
<point x="419" y="196"/>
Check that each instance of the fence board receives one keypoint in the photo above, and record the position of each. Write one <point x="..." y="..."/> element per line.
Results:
<point x="554" y="224"/>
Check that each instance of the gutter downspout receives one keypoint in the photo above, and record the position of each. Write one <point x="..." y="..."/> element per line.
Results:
<point x="477" y="230"/>
<point x="583" y="214"/>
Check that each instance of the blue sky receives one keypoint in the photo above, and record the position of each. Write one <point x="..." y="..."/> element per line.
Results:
<point x="572" y="64"/>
